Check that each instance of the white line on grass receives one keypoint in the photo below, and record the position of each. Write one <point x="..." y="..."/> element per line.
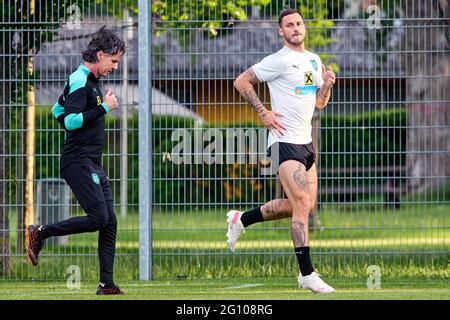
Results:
<point x="245" y="285"/>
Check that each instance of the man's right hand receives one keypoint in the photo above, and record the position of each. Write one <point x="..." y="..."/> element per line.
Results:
<point x="271" y="122"/>
<point x="111" y="100"/>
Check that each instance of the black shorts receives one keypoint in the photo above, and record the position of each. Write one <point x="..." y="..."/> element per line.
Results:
<point x="304" y="153"/>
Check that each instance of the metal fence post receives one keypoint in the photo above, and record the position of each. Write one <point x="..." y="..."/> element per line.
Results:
<point x="145" y="141"/>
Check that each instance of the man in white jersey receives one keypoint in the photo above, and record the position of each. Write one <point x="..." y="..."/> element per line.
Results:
<point x="298" y="82"/>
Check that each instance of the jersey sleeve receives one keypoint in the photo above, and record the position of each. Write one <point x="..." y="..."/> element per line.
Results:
<point x="58" y="111"/>
<point x="267" y="69"/>
<point x="76" y="115"/>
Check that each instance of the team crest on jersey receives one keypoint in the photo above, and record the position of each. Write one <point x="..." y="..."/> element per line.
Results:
<point x="99" y="101"/>
<point x="314" y="64"/>
<point x="308" y="78"/>
<point x="95" y="178"/>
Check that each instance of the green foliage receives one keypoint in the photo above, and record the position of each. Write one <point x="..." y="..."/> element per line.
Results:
<point x="371" y="144"/>
<point x="197" y="182"/>
<point x="346" y="141"/>
<point x="27" y="29"/>
<point x="369" y="139"/>
<point x="113" y="8"/>
<point x="206" y="14"/>
<point x="318" y="26"/>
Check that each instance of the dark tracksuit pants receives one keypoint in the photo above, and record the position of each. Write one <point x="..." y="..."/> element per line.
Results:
<point x="91" y="188"/>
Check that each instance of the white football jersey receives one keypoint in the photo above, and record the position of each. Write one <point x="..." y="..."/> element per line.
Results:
<point x="293" y="79"/>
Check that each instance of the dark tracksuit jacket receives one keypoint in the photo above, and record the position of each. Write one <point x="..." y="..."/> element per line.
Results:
<point x="81" y="112"/>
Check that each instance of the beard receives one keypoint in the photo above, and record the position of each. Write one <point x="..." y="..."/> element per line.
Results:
<point x="295" y="40"/>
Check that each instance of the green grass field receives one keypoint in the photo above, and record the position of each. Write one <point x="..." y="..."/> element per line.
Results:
<point x="410" y="245"/>
<point x="411" y="241"/>
<point x="407" y="288"/>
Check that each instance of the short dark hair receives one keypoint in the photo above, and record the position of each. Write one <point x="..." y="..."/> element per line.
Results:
<point x="104" y="40"/>
<point x="287" y="12"/>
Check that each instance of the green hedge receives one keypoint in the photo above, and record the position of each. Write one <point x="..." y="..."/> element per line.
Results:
<point x="370" y="139"/>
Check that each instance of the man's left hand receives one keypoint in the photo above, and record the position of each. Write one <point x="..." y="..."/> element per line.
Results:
<point x="328" y="76"/>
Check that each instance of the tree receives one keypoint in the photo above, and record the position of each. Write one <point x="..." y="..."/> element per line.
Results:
<point x="25" y="28"/>
<point x="429" y="110"/>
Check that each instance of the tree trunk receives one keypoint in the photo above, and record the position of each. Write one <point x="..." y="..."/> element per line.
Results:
<point x="427" y="92"/>
<point x="5" y="254"/>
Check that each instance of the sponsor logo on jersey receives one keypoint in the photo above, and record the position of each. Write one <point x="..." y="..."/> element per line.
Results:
<point x="308" y="78"/>
<point x="303" y="90"/>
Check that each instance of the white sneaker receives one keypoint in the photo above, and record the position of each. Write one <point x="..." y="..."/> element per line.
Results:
<point x="315" y="284"/>
<point x="300" y="281"/>
<point x="235" y="228"/>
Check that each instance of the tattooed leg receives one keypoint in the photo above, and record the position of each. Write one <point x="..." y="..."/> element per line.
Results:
<point x="276" y="209"/>
<point x="299" y="234"/>
<point x="300" y="178"/>
<point x="294" y="179"/>
<point x="311" y="177"/>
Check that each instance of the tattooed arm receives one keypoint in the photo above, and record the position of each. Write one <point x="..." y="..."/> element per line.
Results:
<point x="244" y="84"/>
<point x="324" y="93"/>
<point x="322" y="97"/>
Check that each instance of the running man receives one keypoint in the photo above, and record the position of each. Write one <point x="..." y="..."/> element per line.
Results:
<point x="81" y="111"/>
<point x="298" y="82"/>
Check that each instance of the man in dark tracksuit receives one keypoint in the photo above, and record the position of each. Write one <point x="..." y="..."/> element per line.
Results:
<point x="80" y="110"/>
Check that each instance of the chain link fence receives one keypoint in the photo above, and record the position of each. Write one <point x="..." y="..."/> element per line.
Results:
<point x="382" y="142"/>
